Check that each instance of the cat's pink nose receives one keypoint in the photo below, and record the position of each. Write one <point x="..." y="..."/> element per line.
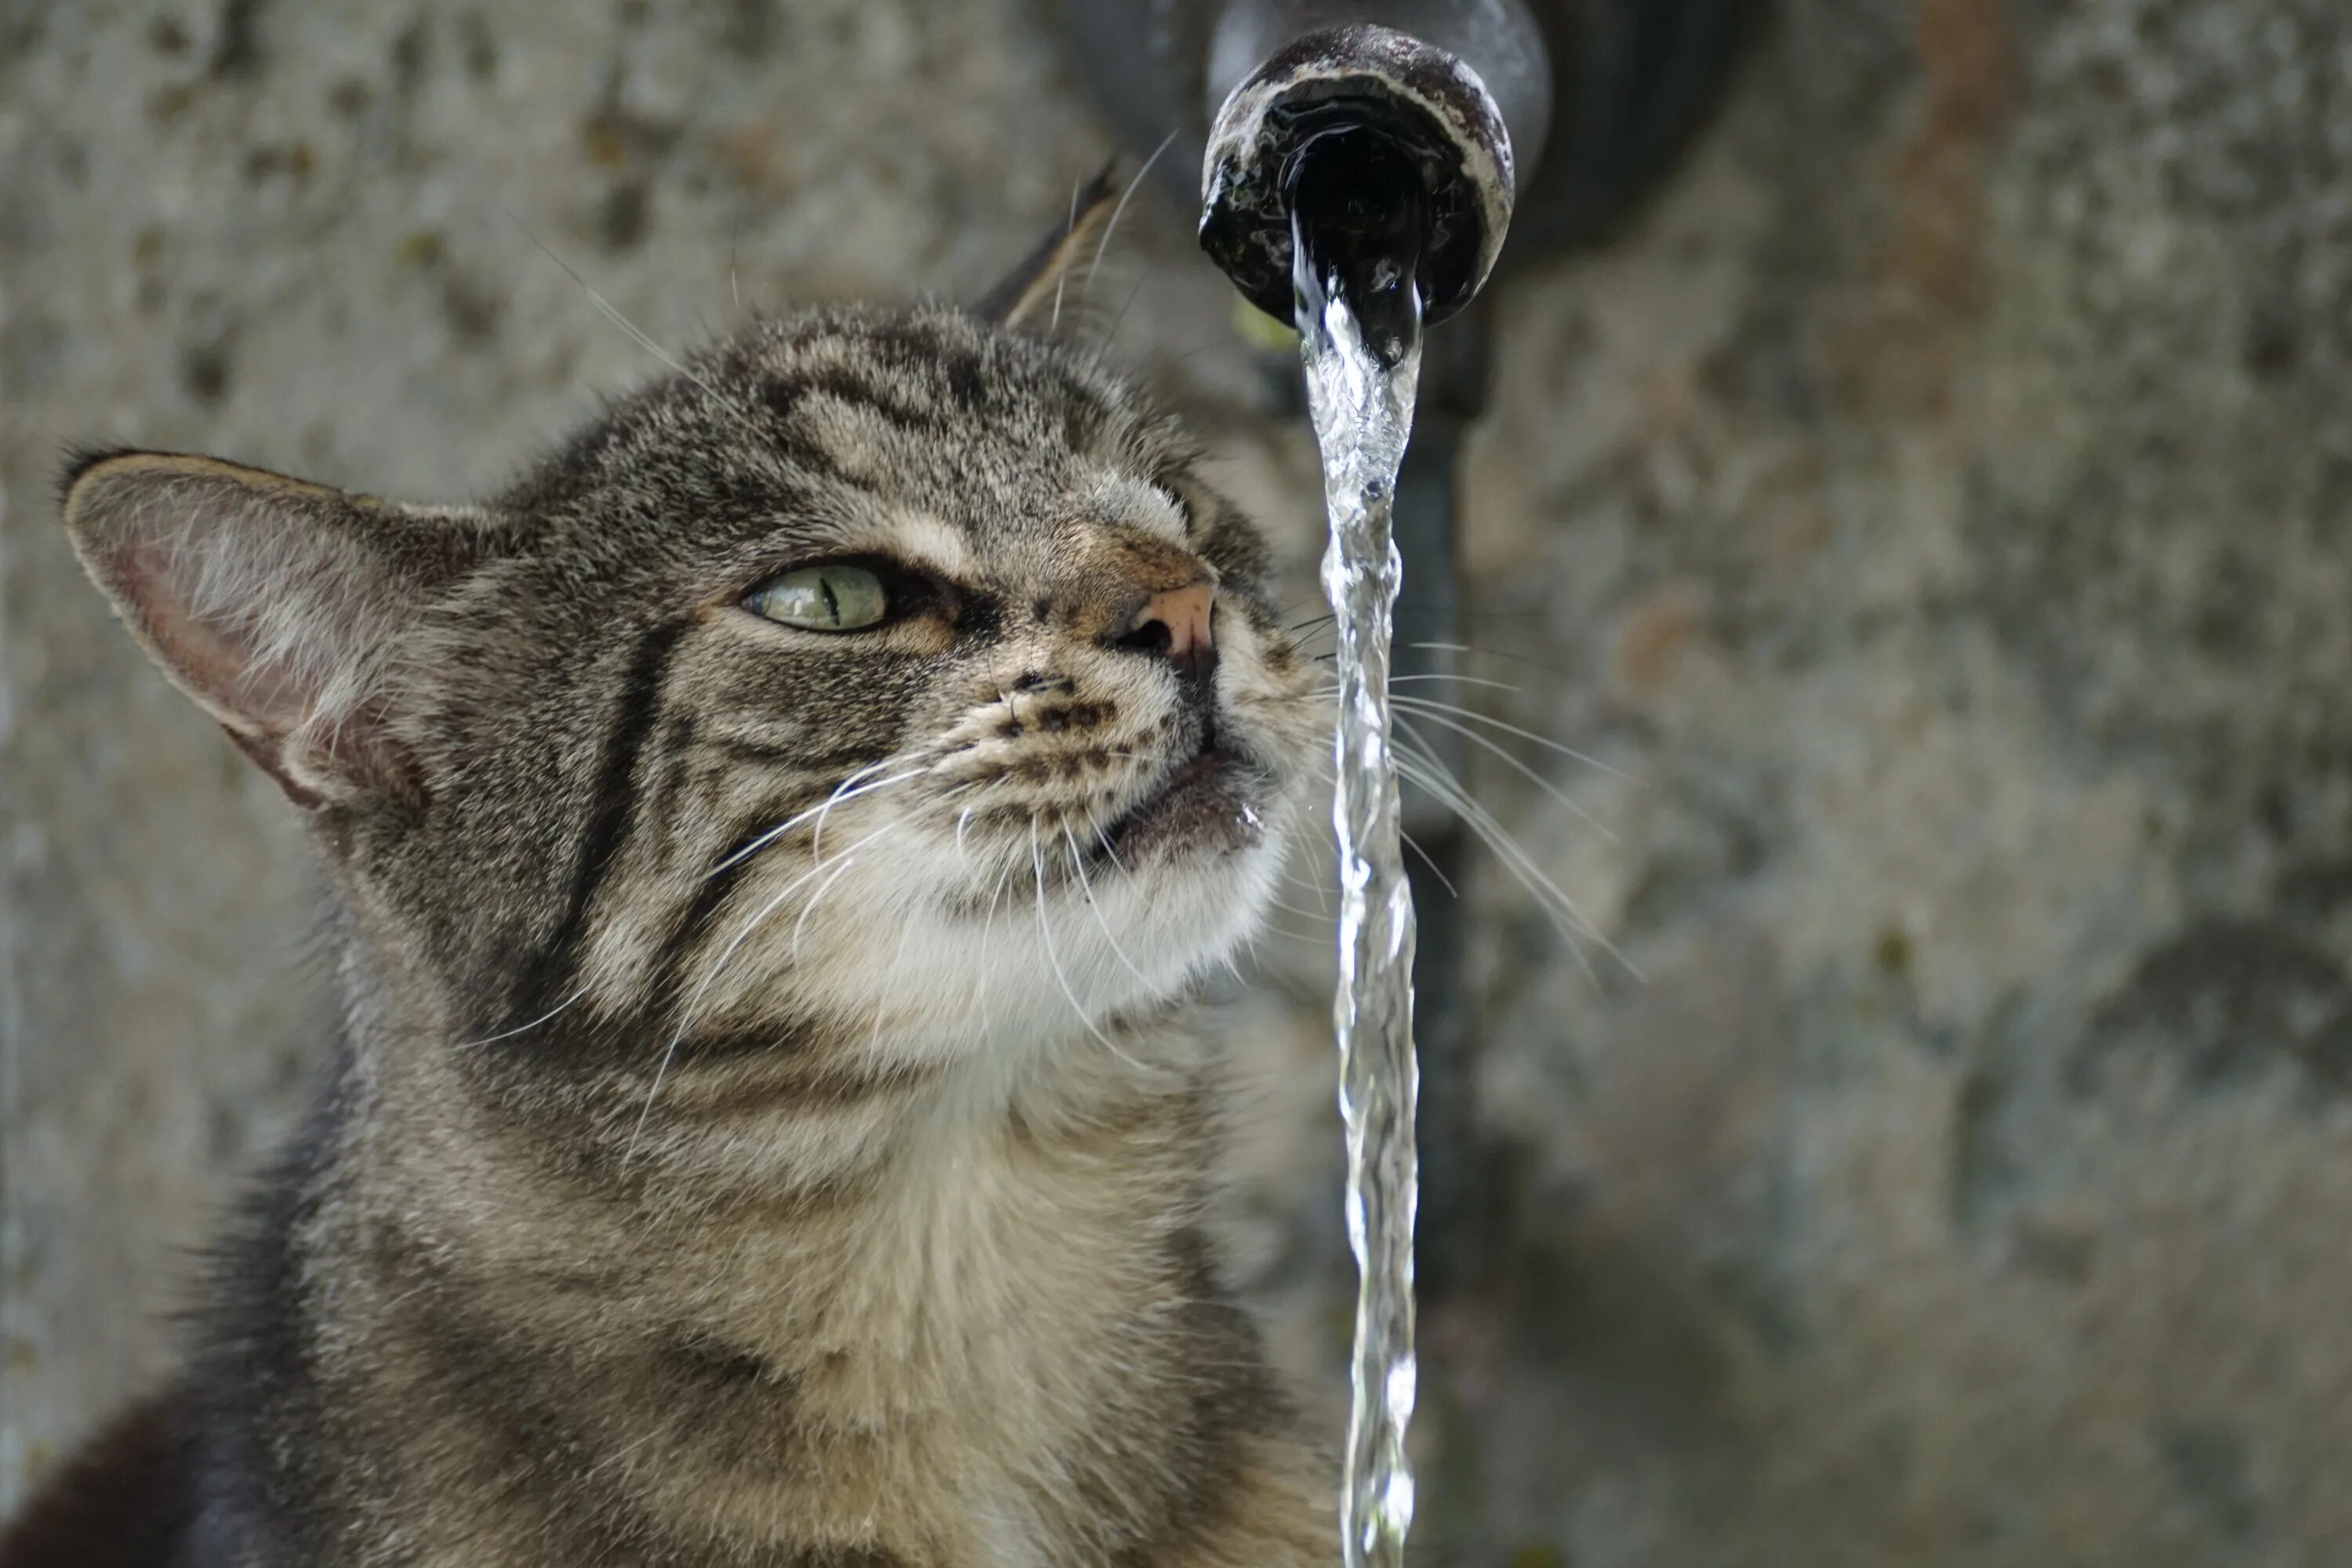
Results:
<point x="1174" y="624"/>
<point x="1185" y="613"/>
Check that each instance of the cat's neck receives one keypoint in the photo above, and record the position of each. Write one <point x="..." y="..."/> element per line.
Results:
<point x="1019" y="1292"/>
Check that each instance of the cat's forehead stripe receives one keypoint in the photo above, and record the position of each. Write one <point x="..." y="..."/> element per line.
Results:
<point x="932" y="440"/>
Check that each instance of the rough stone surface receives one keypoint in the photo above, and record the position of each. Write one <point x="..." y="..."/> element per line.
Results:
<point x="1931" y="519"/>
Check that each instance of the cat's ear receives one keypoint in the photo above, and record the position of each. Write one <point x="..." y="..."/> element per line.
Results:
<point x="1036" y="295"/>
<point x="277" y="604"/>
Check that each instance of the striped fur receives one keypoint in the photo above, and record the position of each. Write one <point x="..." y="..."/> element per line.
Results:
<point x="770" y="1129"/>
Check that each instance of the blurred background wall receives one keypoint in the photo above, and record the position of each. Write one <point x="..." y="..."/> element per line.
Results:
<point x="1936" y="513"/>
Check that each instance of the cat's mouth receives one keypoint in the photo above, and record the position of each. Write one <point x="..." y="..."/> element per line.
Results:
<point x="1204" y="805"/>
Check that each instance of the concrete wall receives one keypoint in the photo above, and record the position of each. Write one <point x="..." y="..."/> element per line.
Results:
<point x="1933" y="515"/>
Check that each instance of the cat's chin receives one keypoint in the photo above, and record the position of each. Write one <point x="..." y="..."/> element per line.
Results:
<point x="1208" y="806"/>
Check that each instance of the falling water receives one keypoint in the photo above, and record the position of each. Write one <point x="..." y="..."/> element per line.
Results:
<point x="1359" y="333"/>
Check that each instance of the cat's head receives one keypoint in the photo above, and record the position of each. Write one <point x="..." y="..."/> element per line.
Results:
<point x="888" y="681"/>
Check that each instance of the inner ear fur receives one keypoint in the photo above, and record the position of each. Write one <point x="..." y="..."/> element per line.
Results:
<point x="276" y="604"/>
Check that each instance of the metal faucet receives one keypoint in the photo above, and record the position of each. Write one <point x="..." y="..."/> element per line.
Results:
<point x="1527" y="127"/>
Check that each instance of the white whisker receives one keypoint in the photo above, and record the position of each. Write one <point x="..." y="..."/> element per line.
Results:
<point x="519" y="1029"/>
<point x="981" y="970"/>
<point x="1424" y="768"/>
<point x="1077" y="864"/>
<point x="734" y="246"/>
<point x="1408" y="706"/>
<point x="1491" y="653"/>
<point x="1556" y="905"/>
<point x="1062" y="275"/>
<point x="1314" y="938"/>
<point x="637" y="334"/>
<point x="1112" y="226"/>
<point x="1450" y="678"/>
<point x="1117" y="323"/>
<point x="1431" y="708"/>
<point x="842" y="792"/>
<point x="1413" y="844"/>
<point x="1052" y="959"/>
<point x="685" y="1010"/>
<point x="800" y="925"/>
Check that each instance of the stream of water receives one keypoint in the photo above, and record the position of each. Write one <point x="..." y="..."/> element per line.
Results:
<point x="1359" y="334"/>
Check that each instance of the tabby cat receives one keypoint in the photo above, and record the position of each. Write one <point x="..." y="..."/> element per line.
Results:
<point x="772" y="845"/>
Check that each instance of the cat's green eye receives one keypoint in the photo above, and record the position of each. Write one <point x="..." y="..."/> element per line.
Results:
<point x="833" y="598"/>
